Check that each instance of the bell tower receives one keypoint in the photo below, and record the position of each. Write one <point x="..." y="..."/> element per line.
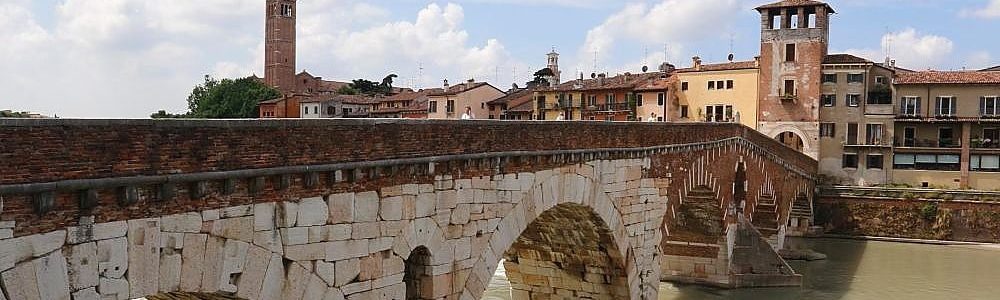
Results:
<point x="794" y="40"/>
<point x="553" y="64"/>
<point x="279" y="45"/>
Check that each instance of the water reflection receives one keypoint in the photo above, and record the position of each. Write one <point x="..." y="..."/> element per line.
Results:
<point x="861" y="270"/>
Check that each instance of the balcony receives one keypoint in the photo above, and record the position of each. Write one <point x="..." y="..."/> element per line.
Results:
<point x="926" y="143"/>
<point x="613" y="107"/>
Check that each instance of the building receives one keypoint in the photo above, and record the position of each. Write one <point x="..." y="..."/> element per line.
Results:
<point x="725" y="92"/>
<point x="452" y="101"/>
<point x="794" y="42"/>
<point x="500" y="108"/>
<point x="337" y="106"/>
<point x="282" y="107"/>
<point x="553" y="64"/>
<point x="947" y="129"/>
<point x="600" y="98"/>
<point x="652" y="98"/>
<point x="403" y="105"/>
<point x="279" y="45"/>
<point x="856" y="120"/>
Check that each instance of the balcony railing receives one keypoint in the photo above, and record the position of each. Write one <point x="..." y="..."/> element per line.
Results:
<point x="984" y="144"/>
<point x="609" y="107"/>
<point x="926" y="143"/>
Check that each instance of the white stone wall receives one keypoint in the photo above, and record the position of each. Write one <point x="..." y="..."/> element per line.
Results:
<point x="340" y="246"/>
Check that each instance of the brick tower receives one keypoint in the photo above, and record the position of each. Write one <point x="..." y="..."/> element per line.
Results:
<point x="279" y="45"/>
<point x="794" y="40"/>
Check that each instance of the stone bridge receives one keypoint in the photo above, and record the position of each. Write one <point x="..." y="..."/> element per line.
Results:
<point x="391" y="209"/>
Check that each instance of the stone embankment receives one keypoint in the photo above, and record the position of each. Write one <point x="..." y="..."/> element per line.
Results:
<point x="952" y="215"/>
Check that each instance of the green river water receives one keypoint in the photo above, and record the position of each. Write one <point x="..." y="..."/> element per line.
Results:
<point x="860" y="270"/>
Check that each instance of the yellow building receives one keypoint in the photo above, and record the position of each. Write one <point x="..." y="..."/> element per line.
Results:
<point x="551" y="101"/>
<point x="453" y="101"/>
<point x="724" y="92"/>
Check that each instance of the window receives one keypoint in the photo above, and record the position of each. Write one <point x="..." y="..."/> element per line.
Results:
<point x="286" y="10"/>
<point x="659" y="119"/>
<point x="852" y="133"/>
<point x="945" y="162"/>
<point x="720" y="84"/>
<point x="432" y="107"/>
<point x="855" y="78"/>
<point x="540" y="101"/>
<point x="946" y="137"/>
<point x="945" y="107"/>
<point x="684" y="111"/>
<point x="638" y="100"/>
<point x="592" y="99"/>
<point x="873" y="134"/>
<point x="881" y="80"/>
<point x="909" y="137"/>
<point x="875" y="161"/>
<point x="331" y="110"/>
<point x="305" y="110"/>
<point x="988" y="163"/>
<point x="450" y="107"/>
<point x="850" y="161"/>
<point x="789" y="88"/>
<point x="829" y="100"/>
<point x="711" y="85"/>
<point x="609" y="99"/>
<point x="718" y="113"/>
<point x="315" y="110"/>
<point x="661" y="99"/>
<point x="729" y="84"/>
<point x="853" y="100"/>
<point x="829" y="78"/>
<point x="989" y="106"/>
<point x="909" y="106"/>
<point x="827" y="130"/>
<point x="992" y="135"/>
<point x="684" y="86"/>
<point x="790" y="52"/>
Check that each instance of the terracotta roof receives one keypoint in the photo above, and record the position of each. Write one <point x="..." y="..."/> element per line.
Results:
<point x="514" y="95"/>
<point x="624" y="81"/>
<point x="349" y="99"/>
<point x="729" y="66"/>
<point x="949" y="77"/>
<point x="655" y="84"/>
<point x="844" y="59"/>
<point x="795" y="3"/>
<point x="527" y="106"/>
<point x="459" y="88"/>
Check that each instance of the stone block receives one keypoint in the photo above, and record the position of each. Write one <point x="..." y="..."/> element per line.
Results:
<point x="341" y="208"/>
<point x="286" y="213"/>
<point x="110" y="288"/>
<point x="380" y="244"/>
<point x="371" y="267"/>
<point x="86" y="294"/>
<point x="346" y="271"/>
<point x="170" y="270"/>
<point x="236" y="211"/>
<point x="393" y="265"/>
<point x="6" y="233"/>
<point x="212" y="267"/>
<point x="252" y="279"/>
<point x="263" y="216"/>
<point x="426" y="205"/>
<point x="193" y="259"/>
<point x="312" y="212"/>
<point x="315" y="289"/>
<point x="187" y="223"/>
<point x="270" y="240"/>
<point x="409" y="207"/>
<point x="112" y="257"/>
<point x="365" y="230"/>
<point x="340" y="250"/>
<point x="392" y="228"/>
<point x="299" y="277"/>
<point x="210" y="215"/>
<point x="294" y="236"/>
<point x="391" y="209"/>
<point x="82" y="265"/>
<point x="317" y="234"/>
<point x="338" y="232"/>
<point x="461" y="214"/>
<point x="335" y="294"/>
<point x="387" y="280"/>
<point x="274" y="278"/>
<point x="95" y="232"/>
<point x="172" y="240"/>
<point x="233" y="260"/>
<point x="366" y="207"/>
<point x="51" y="273"/>
<point x="306" y="252"/>
<point x="21" y="282"/>
<point x="446" y="199"/>
<point x="143" y="257"/>
<point x="326" y="271"/>
<point x="239" y="228"/>
<point x="357" y="287"/>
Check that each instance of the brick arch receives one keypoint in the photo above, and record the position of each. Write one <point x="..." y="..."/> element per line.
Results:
<point x="578" y="190"/>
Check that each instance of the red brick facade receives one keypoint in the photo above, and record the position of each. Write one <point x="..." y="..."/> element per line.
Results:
<point x="279" y="45"/>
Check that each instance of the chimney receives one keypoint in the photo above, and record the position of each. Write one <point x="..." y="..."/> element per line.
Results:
<point x="472" y="80"/>
<point x="600" y="79"/>
<point x="446" y="85"/>
<point x="696" y="63"/>
<point x="756" y="61"/>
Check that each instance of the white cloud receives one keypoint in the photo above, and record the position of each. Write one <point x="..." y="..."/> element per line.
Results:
<point x="675" y="22"/>
<point x="991" y="10"/>
<point x="128" y="58"/>
<point x="911" y="49"/>
<point x="979" y="60"/>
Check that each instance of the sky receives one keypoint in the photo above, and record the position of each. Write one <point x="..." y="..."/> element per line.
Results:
<point x="130" y="58"/>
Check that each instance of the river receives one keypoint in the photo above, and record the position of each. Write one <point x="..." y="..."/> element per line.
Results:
<point x="860" y="270"/>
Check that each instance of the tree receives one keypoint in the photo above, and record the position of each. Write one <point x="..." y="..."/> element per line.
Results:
<point x="13" y="114"/>
<point x="162" y="114"/>
<point x="347" y="90"/>
<point x="225" y="99"/>
<point x="387" y="83"/>
<point x="540" y="78"/>
<point x="366" y="87"/>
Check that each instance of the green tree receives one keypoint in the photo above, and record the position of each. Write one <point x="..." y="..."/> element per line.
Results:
<point x="367" y="87"/>
<point x="13" y="114"/>
<point x="162" y="114"/>
<point x="225" y="99"/>
<point x="347" y="90"/>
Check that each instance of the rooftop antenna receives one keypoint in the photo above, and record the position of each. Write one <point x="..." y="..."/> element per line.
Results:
<point x="665" y="51"/>
<point x="732" y="55"/>
<point x="888" y="44"/>
<point x="645" y="57"/>
<point x="420" y="74"/>
<point x="595" y="60"/>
